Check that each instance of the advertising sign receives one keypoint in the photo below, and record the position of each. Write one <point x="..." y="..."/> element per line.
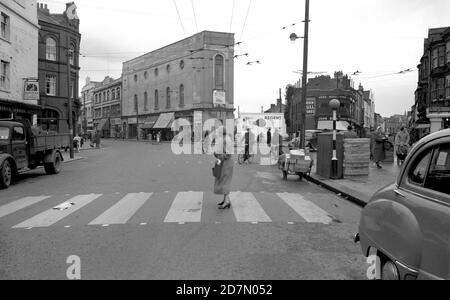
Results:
<point x="262" y="122"/>
<point x="219" y="98"/>
<point x="31" y="89"/>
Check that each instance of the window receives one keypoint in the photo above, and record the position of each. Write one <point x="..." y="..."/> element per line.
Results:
<point x="181" y="95"/>
<point x="136" y="104"/>
<point x="50" y="49"/>
<point x="4" y="133"/>
<point x="145" y="75"/>
<point x="156" y="71"/>
<point x="72" y="55"/>
<point x="168" y="68"/>
<point x="4" y="75"/>
<point x="18" y="134"/>
<point x="434" y="58"/>
<point x="438" y="178"/>
<point x="50" y="85"/>
<point x="113" y="94"/>
<point x="168" y="97"/>
<point x="118" y="93"/>
<point x="448" y="52"/>
<point x="4" y="33"/>
<point x="218" y="72"/>
<point x="156" y="100"/>
<point x="96" y="99"/>
<point x="441" y="56"/>
<point x="145" y="101"/>
<point x="135" y="78"/>
<point x="72" y="89"/>
<point x="182" y="64"/>
<point x="417" y="176"/>
<point x="104" y="97"/>
<point x="447" y="87"/>
<point x="107" y="96"/>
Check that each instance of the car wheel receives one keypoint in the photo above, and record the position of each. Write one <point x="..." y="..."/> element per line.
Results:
<point x="53" y="167"/>
<point x="389" y="271"/>
<point x="5" y="175"/>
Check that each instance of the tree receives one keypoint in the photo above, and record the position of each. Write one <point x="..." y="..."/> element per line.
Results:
<point x="289" y="95"/>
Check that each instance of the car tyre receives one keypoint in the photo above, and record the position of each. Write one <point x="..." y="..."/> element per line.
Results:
<point x="55" y="166"/>
<point x="6" y="173"/>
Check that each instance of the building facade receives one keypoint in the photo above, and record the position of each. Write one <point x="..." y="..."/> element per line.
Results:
<point x="395" y="123"/>
<point x="320" y="91"/>
<point x="106" y="107"/>
<point x="19" y="89"/>
<point x="86" y="121"/>
<point x="431" y="111"/>
<point x="192" y="77"/>
<point x="59" y="44"/>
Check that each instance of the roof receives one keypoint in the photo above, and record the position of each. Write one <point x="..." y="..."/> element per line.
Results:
<point x="52" y="19"/>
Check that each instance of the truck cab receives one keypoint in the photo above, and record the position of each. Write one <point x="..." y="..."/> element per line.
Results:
<point x="13" y="140"/>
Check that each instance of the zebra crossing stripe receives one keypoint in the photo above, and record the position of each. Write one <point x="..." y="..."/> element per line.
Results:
<point x="247" y="209"/>
<point x="20" y="204"/>
<point x="123" y="210"/>
<point x="186" y="208"/>
<point x="306" y="209"/>
<point x="51" y="216"/>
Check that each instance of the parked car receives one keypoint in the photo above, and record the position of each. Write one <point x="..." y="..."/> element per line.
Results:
<point x="406" y="225"/>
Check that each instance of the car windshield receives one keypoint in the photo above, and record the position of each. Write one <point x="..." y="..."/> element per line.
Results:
<point x="4" y="133"/>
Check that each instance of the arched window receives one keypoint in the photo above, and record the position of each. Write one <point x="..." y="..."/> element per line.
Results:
<point x="50" y="49"/>
<point x="136" y="107"/>
<point x="113" y="94"/>
<point x="181" y="95"/>
<point x="107" y="96"/>
<point x="145" y="101"/>
<point x="168" y="97"/>
<point x="104" y="96"/>
<point x="219" y="72"/>
<point x="118" y="93"/>
<point x="156" y="100"/>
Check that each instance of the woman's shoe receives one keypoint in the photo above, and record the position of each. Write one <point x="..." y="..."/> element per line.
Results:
<point x="378" y="166"/>
<point x="225" y="206"/>
<point x="221" y="203"/>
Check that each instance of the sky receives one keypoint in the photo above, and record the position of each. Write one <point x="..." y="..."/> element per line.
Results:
<point x="378" y="38"/>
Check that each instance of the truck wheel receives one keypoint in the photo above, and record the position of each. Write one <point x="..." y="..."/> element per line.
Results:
<point x="53" y="167"/>
<point x="5" y="175"/>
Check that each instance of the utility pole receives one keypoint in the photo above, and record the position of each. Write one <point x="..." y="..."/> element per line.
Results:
<point x="69" y="100"/>
<point x="281" y="103"/>
<point x="305" y="77"/>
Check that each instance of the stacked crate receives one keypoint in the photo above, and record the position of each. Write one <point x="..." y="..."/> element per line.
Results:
<point x="356" y="157"/>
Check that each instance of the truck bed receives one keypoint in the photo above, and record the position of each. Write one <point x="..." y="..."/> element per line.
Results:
<point x="52" y="141"/>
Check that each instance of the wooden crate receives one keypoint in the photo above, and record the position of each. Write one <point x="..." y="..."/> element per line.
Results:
<point x="356" y="157"/>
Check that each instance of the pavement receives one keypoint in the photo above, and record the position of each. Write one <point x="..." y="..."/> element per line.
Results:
<point x="359" y="189"/>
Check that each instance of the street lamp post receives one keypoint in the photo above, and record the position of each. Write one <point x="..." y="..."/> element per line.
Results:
<point x="69" y="96"/>
<point x="293" y="37"/>
<point x="334" y="104"/>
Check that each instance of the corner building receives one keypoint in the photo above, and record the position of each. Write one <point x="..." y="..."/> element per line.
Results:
<point x="194" y="76"/>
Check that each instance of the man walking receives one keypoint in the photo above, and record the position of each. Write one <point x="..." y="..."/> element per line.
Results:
<point x="269" y="137"/>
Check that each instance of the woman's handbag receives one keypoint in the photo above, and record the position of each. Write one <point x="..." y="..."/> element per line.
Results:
<point x="217" y="170"/>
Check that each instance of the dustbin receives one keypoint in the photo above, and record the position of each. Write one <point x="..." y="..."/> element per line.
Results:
<point x="325" y="154"/>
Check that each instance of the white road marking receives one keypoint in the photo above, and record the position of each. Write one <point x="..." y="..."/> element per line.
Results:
<point x="187" y="207"/>
<point x="19" y="204"/>
<point x="123" y="210"/>
<point x="306" y="209"/>
<point x="247" y="209"/>
<point x="51" y="216"/>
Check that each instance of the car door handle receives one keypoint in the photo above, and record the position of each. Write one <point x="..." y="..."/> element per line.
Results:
<point x="398" y="193"/>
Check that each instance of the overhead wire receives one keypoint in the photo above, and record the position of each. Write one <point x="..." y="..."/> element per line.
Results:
<point x="179" y="16"/>
<point x="246" y="16"/>
<point x="195" y="16"/>
<point x="232" y="15"/>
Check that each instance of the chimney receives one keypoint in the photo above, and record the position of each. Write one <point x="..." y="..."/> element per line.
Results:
<point x="43" y="8"/>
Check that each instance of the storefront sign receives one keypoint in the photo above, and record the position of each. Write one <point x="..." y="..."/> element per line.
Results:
<point x="31" y="89"/>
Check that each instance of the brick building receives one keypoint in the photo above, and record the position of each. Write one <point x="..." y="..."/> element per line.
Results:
<point x="19" y="90"/>
<point x="106" y="107"/>
<point x="86" y="121"/>
<point x="59" y="44"/>
<point x="194" y="76"/>
<point x="320" y="91"/>
<point x="431" y="111"/>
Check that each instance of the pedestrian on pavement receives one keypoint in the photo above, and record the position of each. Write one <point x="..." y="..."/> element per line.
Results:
<point x="206" y="142"/>
<point x="350" y="133"/>
<point x="247" y="145"/>
<point x="158" y="137"/>
<point x="401" y="145"/>
<point x="269" y="137"/>
<point x="223" y="173"/>
<point x="378" y="150"/>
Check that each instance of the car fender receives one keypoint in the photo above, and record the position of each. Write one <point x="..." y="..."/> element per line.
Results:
<point x="5" y="156"/>
<point x="50" y="158"/>
<point x="393" y="229"/>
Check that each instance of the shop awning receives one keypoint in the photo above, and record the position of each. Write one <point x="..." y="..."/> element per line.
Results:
<point x="18" y="106"/>
<point x="328" y="125"/>
<point x="104" y="124"/>
<point x="148" y="125"/>
<point x="164" y="121"/>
